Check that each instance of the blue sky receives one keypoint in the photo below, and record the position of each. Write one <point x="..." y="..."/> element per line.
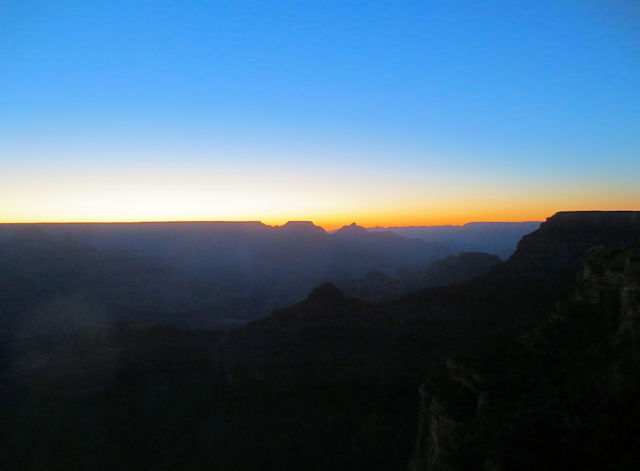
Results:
<point x="324" y="108"/>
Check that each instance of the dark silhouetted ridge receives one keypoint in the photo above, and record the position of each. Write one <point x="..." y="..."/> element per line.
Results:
<point x="351" y="229"/>
<point x="558" y="248"/>
<point x="326" y="292"/>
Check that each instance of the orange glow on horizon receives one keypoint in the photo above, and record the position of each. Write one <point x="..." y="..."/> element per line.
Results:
<point x="328" y="225"/>
<point x="367" y="203"/>
<point x="418" y="215"/>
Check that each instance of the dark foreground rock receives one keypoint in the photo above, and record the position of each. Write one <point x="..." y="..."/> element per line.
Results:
<point x="564" y="395"/>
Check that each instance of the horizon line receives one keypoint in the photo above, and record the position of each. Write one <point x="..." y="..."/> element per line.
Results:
<point x="327" y="227"/>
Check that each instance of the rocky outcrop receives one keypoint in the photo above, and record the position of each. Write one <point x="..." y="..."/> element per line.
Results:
<point x="445" y="416"/>
<point x="438" y="435"/>
<point x="547" y="260"/>
<point x="561" y="243"/>
<point x="610" y="282"/>
<point x="563" y="394"/>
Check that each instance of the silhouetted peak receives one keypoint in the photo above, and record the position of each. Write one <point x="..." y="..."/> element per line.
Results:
<point x="325" y="292"/>
<point x="352" y="228"/>
<point x="301" y="227"/>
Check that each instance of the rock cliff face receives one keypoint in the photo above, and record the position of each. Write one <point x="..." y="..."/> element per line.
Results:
<point x="437" y="435"/>
<point x="610" y="282"/>
<point x="561" y="243"/>
<point x="565" y="394"/>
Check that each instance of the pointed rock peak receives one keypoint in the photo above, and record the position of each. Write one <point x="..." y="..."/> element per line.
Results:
<point x="353" y="228"/>
<point x="325" y="292"/>
<point x="301" y="227"/>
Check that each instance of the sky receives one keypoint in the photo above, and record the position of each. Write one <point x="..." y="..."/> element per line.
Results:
<point x="384" y="113"/>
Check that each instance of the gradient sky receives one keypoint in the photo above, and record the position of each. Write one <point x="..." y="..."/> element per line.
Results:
<point x="384" y="113"/>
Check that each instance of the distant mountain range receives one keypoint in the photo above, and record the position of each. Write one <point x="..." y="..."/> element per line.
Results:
<point x="510" y="294"/>
<point x="202" y="274"/>
<point x="498" y="238"/>
<point x="193" y="274"/>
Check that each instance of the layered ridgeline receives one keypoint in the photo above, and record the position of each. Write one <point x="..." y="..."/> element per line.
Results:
<point x="498" y="238"/>
<point x="512" y="295"/>
<point x="210" y="274"/>
<point x="330" y="340"/>
<point x="376" y="286"/>
<point x="341" y="375"/>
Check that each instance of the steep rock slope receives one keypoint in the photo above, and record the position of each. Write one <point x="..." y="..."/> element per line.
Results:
<point x="565" y="394"/>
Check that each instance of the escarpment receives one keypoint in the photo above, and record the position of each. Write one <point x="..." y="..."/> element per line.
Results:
<point x="610" y="282"/>
<point x="565" y="394"/>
